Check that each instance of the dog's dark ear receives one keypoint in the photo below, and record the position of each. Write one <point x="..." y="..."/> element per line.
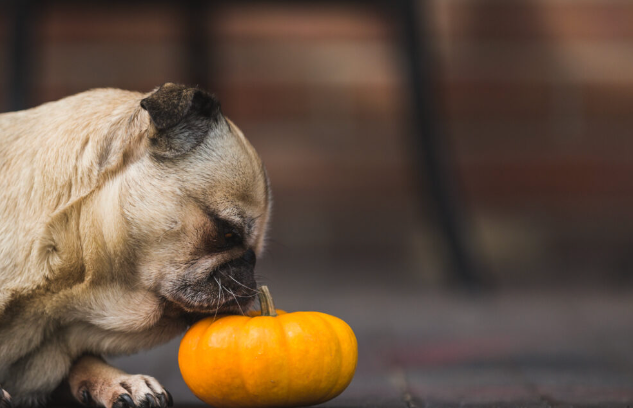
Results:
<point x="171" y="103"/>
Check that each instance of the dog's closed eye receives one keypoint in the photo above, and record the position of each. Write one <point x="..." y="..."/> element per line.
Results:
<point x="228" y="235"/>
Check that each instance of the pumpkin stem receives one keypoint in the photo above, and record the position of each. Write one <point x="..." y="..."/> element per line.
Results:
<point x="266" y="302"/>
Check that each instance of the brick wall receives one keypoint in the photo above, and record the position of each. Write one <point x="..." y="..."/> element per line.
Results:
<point x="535" y="94"/>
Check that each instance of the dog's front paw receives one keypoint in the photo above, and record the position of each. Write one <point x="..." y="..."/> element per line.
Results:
<point x="5" y="399"/>
<point x="125" y="391"/>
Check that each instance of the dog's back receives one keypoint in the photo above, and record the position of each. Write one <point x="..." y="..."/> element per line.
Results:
<point x="47" y="165"/>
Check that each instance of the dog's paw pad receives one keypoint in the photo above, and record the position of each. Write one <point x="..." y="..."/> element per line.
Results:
<point x="5" y="399"/>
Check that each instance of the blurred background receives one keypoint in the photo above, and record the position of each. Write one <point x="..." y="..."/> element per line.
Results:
<point x="413" y="148"/>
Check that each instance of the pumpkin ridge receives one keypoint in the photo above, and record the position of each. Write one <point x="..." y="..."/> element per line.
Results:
<point x="339" y="348"/>
<point x="287" y="365"/>
<point x="346" y="337"/>
<point x="240" y="357"/>
<point x="198" y="341"/>
<point x="186" y="356"/>
<point x="313" y="328"/>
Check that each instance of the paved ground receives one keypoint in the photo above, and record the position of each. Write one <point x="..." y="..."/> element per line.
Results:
<point x="510" y="350"/>
<point x="571" y="348"/>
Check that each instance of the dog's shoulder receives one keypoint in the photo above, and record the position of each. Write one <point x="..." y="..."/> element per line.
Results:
<point x="52" y="157"/>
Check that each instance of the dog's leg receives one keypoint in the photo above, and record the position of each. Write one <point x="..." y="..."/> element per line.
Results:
<point x="32" y="378"/>
<point x="94" y="382"/>
<point x="5" y="399"/>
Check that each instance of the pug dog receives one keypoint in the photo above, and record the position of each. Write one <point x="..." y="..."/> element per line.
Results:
<point x="124" y="218"/>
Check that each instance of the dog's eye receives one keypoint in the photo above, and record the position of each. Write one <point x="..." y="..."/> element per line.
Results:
<point x="231" y="239"/>
<point x="228" y="236"/>
<point x="231" y="236"/>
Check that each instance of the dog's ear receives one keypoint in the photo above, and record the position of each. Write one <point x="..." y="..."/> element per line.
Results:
<point x="172" y="105"/>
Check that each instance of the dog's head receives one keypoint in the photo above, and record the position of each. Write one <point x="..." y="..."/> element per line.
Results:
<point x="196" y="207"/>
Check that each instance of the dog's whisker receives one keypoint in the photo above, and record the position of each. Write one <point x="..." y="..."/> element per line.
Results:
<point x="238" y="303"/>
<point x="239" y="283"/>
<point x="221" y="292"/>
<point x="217" y="307"/>
<point x="241" y="296"/>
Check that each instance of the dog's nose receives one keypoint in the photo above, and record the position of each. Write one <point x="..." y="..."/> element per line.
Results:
<point x="249" y="256"/>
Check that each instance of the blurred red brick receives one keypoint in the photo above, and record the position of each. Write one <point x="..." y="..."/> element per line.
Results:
<point x="251" y="101"/>
<point x="312" y="22"/>
<point x="537" y="20"/>
<point x="498" y="100"/>
<point x="120" y="23"/>
<point x="608" y="102"/>
<point x="576" y="183"/>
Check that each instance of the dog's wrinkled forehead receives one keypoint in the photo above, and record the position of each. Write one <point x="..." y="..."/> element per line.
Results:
<point x="191" y="136"/>
<point x="225" y="162"/>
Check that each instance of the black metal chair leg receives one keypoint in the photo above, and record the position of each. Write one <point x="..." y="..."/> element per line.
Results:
<point x="19" y="70"/>
<point x="430" y="146"/>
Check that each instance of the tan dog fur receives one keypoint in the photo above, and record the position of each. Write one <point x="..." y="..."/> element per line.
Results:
<point x="96" y="232"/>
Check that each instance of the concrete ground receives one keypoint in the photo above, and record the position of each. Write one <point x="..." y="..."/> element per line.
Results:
<point x="511" y="350"/>
<point x="528" y="348"/>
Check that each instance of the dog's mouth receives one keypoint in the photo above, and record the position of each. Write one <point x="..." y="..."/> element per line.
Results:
<point x="229" y="289"/>
<point x="226" y="302"/>
<point x="221" y="299"/>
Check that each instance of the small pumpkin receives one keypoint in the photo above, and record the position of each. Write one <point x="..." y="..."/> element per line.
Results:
<point x="272" y="359"/>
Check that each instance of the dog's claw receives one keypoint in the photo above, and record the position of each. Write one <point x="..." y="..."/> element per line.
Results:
<point x="124" y="401"/>
<point x="152" y="401"/>
<point x="5" y="399"/>
<point x="86" y="399"/>
<point x="162" y="400"/>
<point x="146" y="403"/>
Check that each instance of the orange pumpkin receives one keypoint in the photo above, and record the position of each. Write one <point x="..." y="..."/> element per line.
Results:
<point x="268" y="360"/>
